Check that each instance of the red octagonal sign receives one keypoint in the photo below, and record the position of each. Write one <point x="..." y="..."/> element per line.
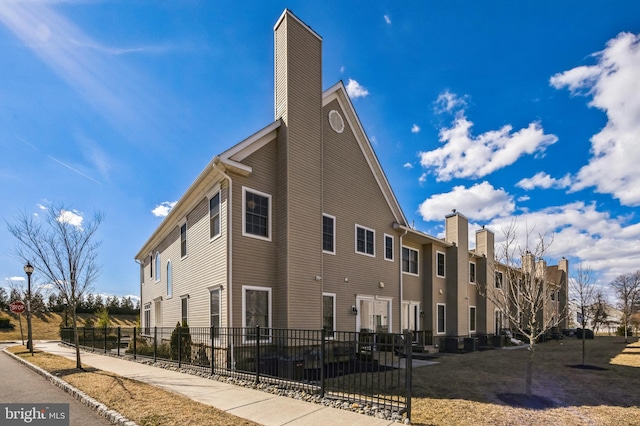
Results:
<point x="17" y="307"/>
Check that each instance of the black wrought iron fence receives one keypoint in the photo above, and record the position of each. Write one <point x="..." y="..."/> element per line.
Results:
<point x="358" y="367"/>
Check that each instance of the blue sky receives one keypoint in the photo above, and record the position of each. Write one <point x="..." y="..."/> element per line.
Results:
<point x="501" y="110"/>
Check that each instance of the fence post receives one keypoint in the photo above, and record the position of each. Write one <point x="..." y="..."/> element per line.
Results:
<point x="408" y="371"/>
<point x="84" y="336"/>
<point x="134" y="342"/>
<point x="93" y="339"/>
<point x="257" y="356"/>
<point x="105" y="339"/>
<point x="118" y="341"/>
<point x="155" y="343"/>
<point x="179" y="346"/>
<point x="322" y="360"/>
<point x="213" y="357"/>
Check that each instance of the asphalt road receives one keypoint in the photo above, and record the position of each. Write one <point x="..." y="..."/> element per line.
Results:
<point x="20" y="384"/>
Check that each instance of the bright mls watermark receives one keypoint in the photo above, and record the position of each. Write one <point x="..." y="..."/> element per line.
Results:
<point x="34" y="414"/>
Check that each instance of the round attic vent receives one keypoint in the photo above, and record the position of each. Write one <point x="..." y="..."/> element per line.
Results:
<point x="335" y="120"/>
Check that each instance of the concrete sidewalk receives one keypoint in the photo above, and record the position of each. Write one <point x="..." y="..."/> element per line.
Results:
<point x="254" y="405"/>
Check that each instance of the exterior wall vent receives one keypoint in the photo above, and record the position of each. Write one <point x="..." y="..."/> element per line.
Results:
<point x="335" y="120"/>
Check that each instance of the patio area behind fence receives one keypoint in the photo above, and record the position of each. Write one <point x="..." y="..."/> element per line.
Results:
<point x="370" y="369"/>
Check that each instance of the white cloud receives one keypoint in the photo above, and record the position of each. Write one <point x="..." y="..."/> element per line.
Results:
<point x="543" y="180"/>
<point x="613" y="85"/>
<point x="423" y="178"/>
<point x="480" y="202"/>
<point x="163" y="209"/>
<point x="15" y="279"/>
<point x="387" y="19"/>
<point x="408" y="166"/>
<point x="524" y="198"/>
<point x="342" y="69"/>
<point x="71" y="217"/>
<point x="608" y="245"/>
<point x="466" y="156"/>
<point x="449" y="102"/>
<point x="355" y="90"/>
<point x="415" y="129"/>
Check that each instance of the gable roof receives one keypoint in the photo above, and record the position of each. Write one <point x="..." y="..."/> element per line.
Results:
<point x="339" y="93"/>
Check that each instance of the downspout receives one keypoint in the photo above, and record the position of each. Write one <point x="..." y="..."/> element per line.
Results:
<point x="220" y="168"/>
<point x="401" y="281"/>
<point x="140" y="263"/>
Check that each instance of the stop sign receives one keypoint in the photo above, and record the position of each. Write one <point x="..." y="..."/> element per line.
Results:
<point x="17" y="307"/>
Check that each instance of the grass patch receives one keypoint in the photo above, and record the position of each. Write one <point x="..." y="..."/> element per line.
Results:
<point x="144" y="404"/>
<point x="487" y="387"/>
<point x="46" y="326"/>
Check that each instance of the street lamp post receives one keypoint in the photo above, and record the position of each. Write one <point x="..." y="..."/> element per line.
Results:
<point x="28" y="269"/>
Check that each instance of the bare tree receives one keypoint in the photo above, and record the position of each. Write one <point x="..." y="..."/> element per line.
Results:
<point x="599" y="311"/>
<point x="523" y="293"/>
<point x="584" y="292"/>
<point x="38" y="292"/>
<point x="627" y="289"/>
<point x="62" y="248"/>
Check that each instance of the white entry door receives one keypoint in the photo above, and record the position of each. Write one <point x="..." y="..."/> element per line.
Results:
<point x="374" y="314"/>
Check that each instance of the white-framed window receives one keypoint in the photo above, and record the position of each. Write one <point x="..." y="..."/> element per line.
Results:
<point x="169" y="280"/>
<point x="500" y="322"/>
<point x="409" y="260"/>
<point x="158" y="266"/>
<point x="214" y="216"/>
<point x="441" y="320"/>
<point x="151" y="266"/>
<point x="472" y="272"/>
<point x="256" y="214"/>
<point x="365" y="241"/>
<point x="498" y="279"/>
<point x="184" y="310"/>
<point x="440" y="264"/>
<point x="214" y="310"/>
<point x="472" y="319"/>
<point x="388" y="247"/>
<point x="329" y="314"/>
<point x="256" y="310"/>
<point x="183" y="240"/>
<point x="328" y="234"/>
<point x="147" y="318"/>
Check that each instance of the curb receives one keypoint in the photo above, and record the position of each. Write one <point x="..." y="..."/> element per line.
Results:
<point x="111" y="415"/>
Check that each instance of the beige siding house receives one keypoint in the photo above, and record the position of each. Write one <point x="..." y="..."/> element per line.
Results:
<point x="298" y="227"/>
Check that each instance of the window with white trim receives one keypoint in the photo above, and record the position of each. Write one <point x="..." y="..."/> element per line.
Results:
<point x="256" y="214"/>
<point x="158" y="266"/>
<point x="184" y="310"/>
<point x="214" y="310"/>
<point x="441" y="320"/>
<point x="328" y="234"/>
<point x="151" y="266"/>
<point x="329" y="314"/>
<point x="147" y="318"/>
<point x="183" y="240"/>
<point x="169" y="279"/>
<point x="498" y="279"/>
<point x="365" y="241"/>
<point x="472" y="318"/>
<point x="214" y="216"/>
<point x="472" y="272"/>
<point x="388" y="247"/>
<point x="440" y="264"/>
<point x="409" y="260"/>
<point x="256" y="310"/>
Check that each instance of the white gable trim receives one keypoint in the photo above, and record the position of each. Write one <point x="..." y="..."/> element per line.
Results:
<point x="332" y="94"/>
<point x="251" y="144"/>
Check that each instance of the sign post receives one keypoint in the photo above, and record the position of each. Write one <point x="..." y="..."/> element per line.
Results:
<point x="17" y="307"/>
